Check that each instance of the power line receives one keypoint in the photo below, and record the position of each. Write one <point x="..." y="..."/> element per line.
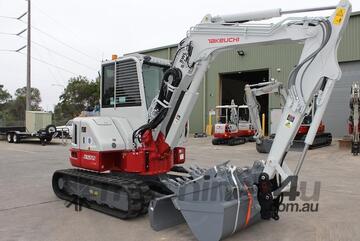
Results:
<point x="60" y="24"/>
<point x="50" y="70"/>
<point x="13" y="50"/>
<point x="61" y="55"/>
<point x="7" y="50"/>
<point x="4" y="33"/>
<point x="53" y="51"/>
<point x="54" y="61"/>
<point x="63" y="43"/>
<point x="8" y="17"/>
<point x="52" y="37"/>
<point x="52" y="65"/>
<point x="48" y="49"/>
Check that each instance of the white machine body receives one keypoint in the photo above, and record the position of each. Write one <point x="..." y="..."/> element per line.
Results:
<point x="125" y="108"/>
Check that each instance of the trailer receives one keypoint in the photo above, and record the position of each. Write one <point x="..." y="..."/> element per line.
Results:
<point x="38" y="126"/>
<point x="16" y="134"/>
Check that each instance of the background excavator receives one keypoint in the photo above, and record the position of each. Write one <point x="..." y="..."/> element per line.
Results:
<point x="125" y="166"/>
<point x="231" y="127"/>
<point x="354" y="118"/>
<point x="263" y="144"/>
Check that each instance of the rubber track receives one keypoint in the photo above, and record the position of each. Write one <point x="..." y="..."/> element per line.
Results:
<point x="138" y="192"/>
<point x="230" y="142"/>
<point x="321" y="140"/>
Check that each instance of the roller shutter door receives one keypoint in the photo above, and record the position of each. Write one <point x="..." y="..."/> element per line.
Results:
<point x="337" y="113"/>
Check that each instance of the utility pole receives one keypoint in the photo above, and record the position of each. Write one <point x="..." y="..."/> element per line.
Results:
<point x="28" y="71"/>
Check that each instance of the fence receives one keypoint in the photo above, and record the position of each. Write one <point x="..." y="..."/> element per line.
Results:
<point x="5" y="123"/>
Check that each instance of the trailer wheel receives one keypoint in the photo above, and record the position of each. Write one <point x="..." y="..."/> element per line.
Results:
<point x="43" y="141"/>
<point x="9" y="138"/>
<point x="16" y="138"/>
<point x="50" y="129"/>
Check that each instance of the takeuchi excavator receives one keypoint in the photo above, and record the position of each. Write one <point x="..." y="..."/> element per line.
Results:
<point x="263" y="144"/>
<point x="232" y="128"/>
<point x="125" y="166"/>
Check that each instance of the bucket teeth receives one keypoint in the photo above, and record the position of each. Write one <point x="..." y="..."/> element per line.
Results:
<point x="180" y="180"/>
<point x="172" y="181"/>
<point x="196" y="171"/>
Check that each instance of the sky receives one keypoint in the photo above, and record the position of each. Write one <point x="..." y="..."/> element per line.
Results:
<point x="72" y="37"/>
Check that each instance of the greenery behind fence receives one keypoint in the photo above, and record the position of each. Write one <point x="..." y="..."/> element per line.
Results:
<point x="77" y="95"/>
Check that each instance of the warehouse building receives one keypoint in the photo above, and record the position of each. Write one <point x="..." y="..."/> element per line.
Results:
<point x="231" y="70"/>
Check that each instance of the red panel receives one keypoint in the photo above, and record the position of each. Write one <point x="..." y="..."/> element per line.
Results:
<point x="303" y="130"/>
<point x="74" y="160"/>
<point x="133" y="161"/>
<point x="151" y="159"/>
<point x="94" y="160"/>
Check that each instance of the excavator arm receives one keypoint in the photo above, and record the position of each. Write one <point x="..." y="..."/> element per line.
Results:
<point x="315" y="74"/>
<point x="254" y="90"/>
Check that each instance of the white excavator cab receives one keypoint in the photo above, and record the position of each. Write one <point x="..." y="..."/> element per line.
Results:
<point x="129" y="84"/>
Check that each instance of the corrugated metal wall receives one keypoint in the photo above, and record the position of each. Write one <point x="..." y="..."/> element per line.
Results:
<point x="279" y="59"/>
<point x="337" y="113"/>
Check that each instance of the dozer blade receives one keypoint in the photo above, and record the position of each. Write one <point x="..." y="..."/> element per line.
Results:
<point x="163" y="214"/>
<point x="215" y="203"/>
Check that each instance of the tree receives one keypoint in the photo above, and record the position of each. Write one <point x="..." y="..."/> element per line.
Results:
<point x="5" y="98"/>
<point x="17" y="107"/>
<point x="78" y="94"/>
<point x="20" y="95"/>
<point x="13" y="110"/>
<point x="4" y="95"/>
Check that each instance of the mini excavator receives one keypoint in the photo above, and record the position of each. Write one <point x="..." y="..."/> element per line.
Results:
<point x="126" y="166"/>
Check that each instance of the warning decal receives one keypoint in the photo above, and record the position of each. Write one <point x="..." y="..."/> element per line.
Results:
<point x="340" y="12"/>
<point x="289" y="121"/>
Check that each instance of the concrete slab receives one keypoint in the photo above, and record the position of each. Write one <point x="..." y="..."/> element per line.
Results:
<point x="30" y="211"/>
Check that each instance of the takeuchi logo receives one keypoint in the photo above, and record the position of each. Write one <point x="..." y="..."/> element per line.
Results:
<point x="224" y="40"/>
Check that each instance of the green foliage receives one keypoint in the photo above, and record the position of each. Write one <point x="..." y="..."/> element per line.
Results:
<point x="12" y="110"/>
<point x="4" y="96"/>
<point x="78" y="94"/>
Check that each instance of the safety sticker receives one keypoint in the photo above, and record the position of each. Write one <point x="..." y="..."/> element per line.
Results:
<point x="289" y="121"/>
<point x="339" y="16"/>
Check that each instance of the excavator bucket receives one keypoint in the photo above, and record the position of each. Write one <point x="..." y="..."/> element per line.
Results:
<point x="215" y="203"/>
<point x="264" y="146"/>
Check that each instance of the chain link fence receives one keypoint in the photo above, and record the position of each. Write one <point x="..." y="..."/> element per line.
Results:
<point x="21" y="123"/>
<point x="17" y="123"/>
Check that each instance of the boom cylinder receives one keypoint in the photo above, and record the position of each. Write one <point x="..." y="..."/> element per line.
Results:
<point x="263" y="15"/>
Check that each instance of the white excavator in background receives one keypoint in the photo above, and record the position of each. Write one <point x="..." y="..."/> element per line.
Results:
<point x="232" y="128"/>
<point x="123" y="166"/>
<point x="263" y="143"/>
<point x="354" y="118"/>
